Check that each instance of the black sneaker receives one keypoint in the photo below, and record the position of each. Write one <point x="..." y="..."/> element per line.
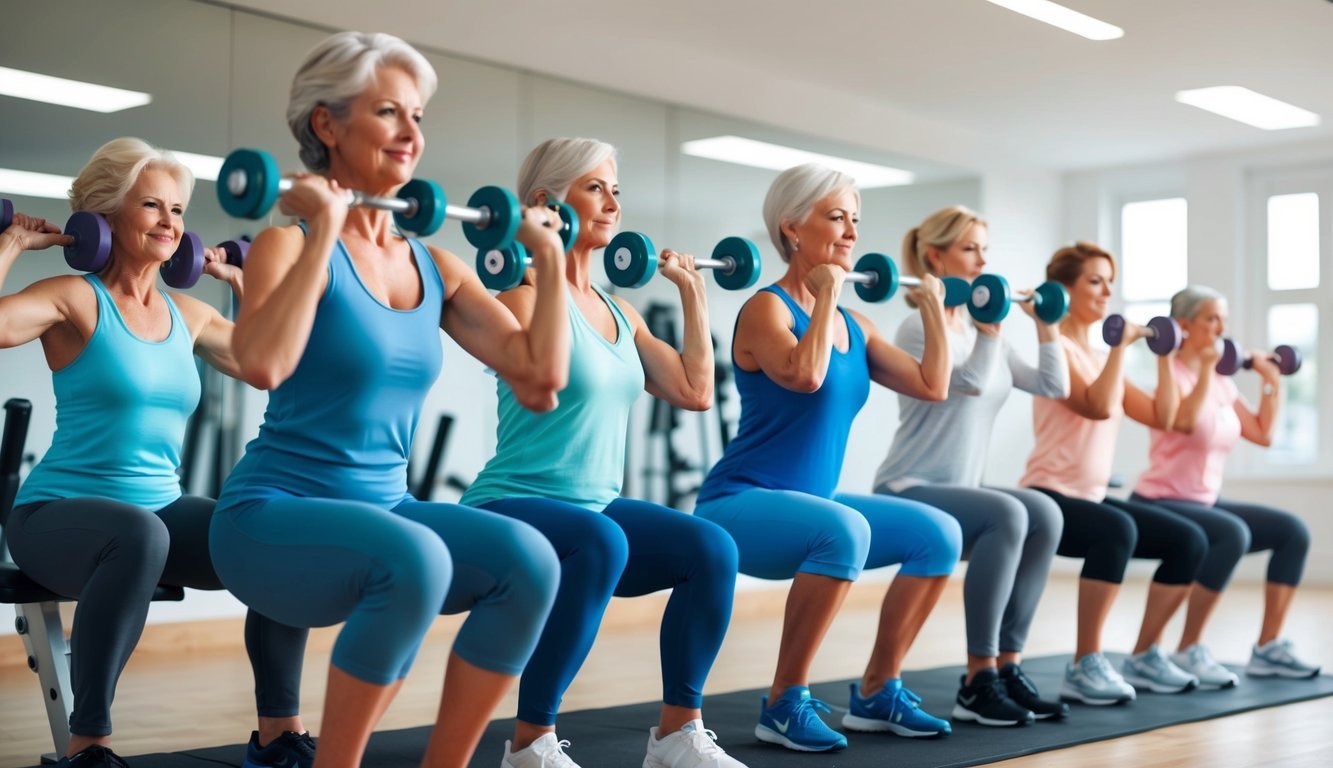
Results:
<point x="290" y="750"/>
<point x="1022" y="690"/>
<point x="94" y="756"/>
<point x="985" y="702"/>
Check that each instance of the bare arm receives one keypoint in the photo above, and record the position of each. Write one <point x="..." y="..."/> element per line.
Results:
<point x="1158" y="410"/>
<point x="29" y="313"/>
<point x="1258" y="426"/>
<point x="682" y="378"/>
<point x="764" y="339"/>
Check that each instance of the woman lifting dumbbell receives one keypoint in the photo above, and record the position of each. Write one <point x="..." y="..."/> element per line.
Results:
<point x="937" y="457"/>
<point x="1185" y="474"/>
<point x="341" y="322"/>
<point x="1071" y="463"/>
<point x="101" y="517"/>
<point x="561" y="472"/>
<point x="803" y="369"/>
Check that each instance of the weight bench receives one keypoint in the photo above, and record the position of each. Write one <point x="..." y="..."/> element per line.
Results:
<point x="37" y="610"/>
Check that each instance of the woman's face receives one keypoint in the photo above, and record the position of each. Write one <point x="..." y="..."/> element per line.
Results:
<point x="965" y="257"/>
<point x="1207" y="326"/>
<point x="594" y="196"/>
<point x="828" y="234"/>
<point x="1090" y="295"/>
<point x="379" y="143"/>
<point x="150" y="221"/>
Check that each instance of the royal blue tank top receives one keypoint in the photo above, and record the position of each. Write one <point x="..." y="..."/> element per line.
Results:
<point x="792" y="440"/>
<point x="341" y="425"/>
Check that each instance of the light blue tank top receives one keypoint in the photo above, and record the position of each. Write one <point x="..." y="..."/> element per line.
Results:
<point x="791" y="440"/>
<point x="341" y="425"/>
<point x="575" y="453"/>
<point x="121" y="409"/>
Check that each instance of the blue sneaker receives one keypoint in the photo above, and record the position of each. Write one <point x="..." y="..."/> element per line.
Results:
<point x="793" y="721"/>
<point x="290" y="750"/>
<point x="894" y="708"/>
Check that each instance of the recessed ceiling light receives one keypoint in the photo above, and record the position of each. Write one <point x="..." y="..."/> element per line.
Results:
<point x="204" y="167"/>
<point x="1065" y="18"/>
<point x="68" y="93"/>
<point x="1249" y="107"/>
<point x="761" y="154"/>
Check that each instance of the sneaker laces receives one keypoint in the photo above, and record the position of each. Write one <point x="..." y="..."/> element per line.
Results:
<point x="908" y="696"/>
<point x="557" y="756"/>
<point x="1022" y="679"/>
<point x="806" y="710"/>
<point x="704" y="742"/>
<point x="299" y="742"/>
<point x="1200" y="657"/>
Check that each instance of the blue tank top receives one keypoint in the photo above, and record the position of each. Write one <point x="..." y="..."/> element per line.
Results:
<point x="575" y="453"/>
<point x="341" y="425"/>
<point x="121" y="409"/>
<point x="792" y="440"/>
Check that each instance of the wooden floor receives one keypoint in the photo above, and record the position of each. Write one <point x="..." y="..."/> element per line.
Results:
<point x="186" y="688"/>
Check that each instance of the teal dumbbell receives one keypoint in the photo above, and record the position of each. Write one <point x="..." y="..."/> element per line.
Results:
<point x="249" y="185"/>
<point x="502" y="267"/>
<point x="877" y="279"/>
<point x="631" y="261"/>
<point x="990" y="299"/>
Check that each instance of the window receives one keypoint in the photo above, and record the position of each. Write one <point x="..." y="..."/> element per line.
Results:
<point x="1153" y="266"/>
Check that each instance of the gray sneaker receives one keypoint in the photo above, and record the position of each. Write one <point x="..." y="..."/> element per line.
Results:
<point x="1276" y="660"/>
<point x="1092" y="680"/>
<point x="1154" y="671"/>
<point x="1197" y="661"/>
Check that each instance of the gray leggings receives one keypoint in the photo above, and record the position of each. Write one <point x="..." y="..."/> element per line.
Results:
<point x="1236" y="528"/>
<point x="110" y="557"/>
<point x="1009" y="541"/>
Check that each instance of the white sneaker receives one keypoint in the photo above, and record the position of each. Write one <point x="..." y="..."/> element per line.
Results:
<point x="1276" y="659"/>
<point x="1197" y="661"/>
<point x="1092" y="680"/>
<point x="1153" y="671"/>
<point x="546" y="752"/>
<point x="691" y="747"/>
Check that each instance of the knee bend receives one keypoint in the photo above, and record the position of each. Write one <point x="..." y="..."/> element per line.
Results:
<point x="143" y="539"/>
<point x="1009" y="521"/>
<point x="1296" y="538"/>
<point x="602" y="554"/>
<point x="417" y="572"/>
<point x="711" y="549"/>
<point x="533" y="568"/>
<point x="846" y="543"/>
<point x="944" y="543"/>
<point x="1232" y="541"/>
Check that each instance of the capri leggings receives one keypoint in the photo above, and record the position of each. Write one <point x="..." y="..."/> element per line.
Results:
<point x="1108" y="533"/>
<point x="110" y="557"/>
<point x="1235" y="528"/>
<point x="782" y="533"/>
<point x="632" y="548"/>
<point x="311" y="562"/>
<point x="1009" y="541"/>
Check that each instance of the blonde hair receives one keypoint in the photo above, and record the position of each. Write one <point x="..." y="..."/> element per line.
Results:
<point x="941" y="229"/>
<point x="114" y="169"/>
<point x="555" y="164"/>
<point x="1186" y="303"/>
<point x="793" y="195"/>
<point x="335" y="72"/>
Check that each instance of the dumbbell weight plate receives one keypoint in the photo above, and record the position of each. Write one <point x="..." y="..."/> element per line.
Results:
<point x="186" y="265"/>
<point x="6" y="214"/>
<point x="92" y="241"/>
<point x="989" y="302"/>
<point x="569" y="230"/>
<point x="745" y="255"/>
<point x="956" y="291"/>
<point x="506" y="215"/>
<point x="886" y="277"/>
<point x="1168" y="336"/>
<point x="1052" y="302"/>
<point x="502" y="268"/>
<point x="630" y="260"/>
<point x="429" y="215"/>
<point x="261" y="183"/>
<point x="1288" y="359"/>
<point x="1230" y="361"/>
<point x="1113" y="330"/>
<point x="236" y="251"/>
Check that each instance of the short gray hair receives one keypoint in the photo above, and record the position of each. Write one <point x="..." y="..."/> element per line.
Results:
<point x="336" y="71"/>
<point x="793" y="195"/>
<point x="556" y="164"/>
<point x="115" y="168"/>
<point x="1188" y="301"/>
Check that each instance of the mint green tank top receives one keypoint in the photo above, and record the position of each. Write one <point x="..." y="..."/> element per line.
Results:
<point x="575" y="453"/>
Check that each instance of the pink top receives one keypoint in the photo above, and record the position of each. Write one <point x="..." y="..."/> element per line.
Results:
<point x="1189" y="467"/>
<point x="1073" y="454"/>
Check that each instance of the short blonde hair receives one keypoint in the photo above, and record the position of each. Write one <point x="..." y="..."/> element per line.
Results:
<point x="555" y="164"/>
<point x="115" y="168"/>
<point x="335" y="72"/>
<point x="793" y="195"/>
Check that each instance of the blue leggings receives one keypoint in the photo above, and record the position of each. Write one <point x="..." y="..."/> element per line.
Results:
<point x="310" y="562"/>
<point x="782" y="533"/>
<point x="631" y="548"/>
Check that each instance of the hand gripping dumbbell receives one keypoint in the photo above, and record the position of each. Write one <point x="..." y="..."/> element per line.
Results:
<point x="501" y="267"/>
<point x="1287" y="358"/>
<point x="631" y="261"/>
<point x="990" y="299"/>
<point x="249" y="185"/>
<point x="877" y="279"/>
<point x="1162" y="333"/>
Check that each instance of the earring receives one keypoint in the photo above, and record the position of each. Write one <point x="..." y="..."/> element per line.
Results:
<point x="796" y="246"/>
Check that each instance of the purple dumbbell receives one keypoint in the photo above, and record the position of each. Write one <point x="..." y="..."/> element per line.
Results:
<point x="186" y="265"/>
<point x="1162" y="333"/>
<point x="1287" y="358"/>
<point x="6" y="213"/>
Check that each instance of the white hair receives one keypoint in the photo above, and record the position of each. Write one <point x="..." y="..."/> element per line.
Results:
<point x="336" y="71"/>
<point x="557" y="163"/>
<point x="793" y="196"/>
<point x="115" y="168"/>
<point x="1188" y="301"/>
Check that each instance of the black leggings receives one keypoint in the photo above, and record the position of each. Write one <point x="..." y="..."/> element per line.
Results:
<point x="1236" y="528"/>
<point x="110" y="557"/>
<point x="1107" y="533"/>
